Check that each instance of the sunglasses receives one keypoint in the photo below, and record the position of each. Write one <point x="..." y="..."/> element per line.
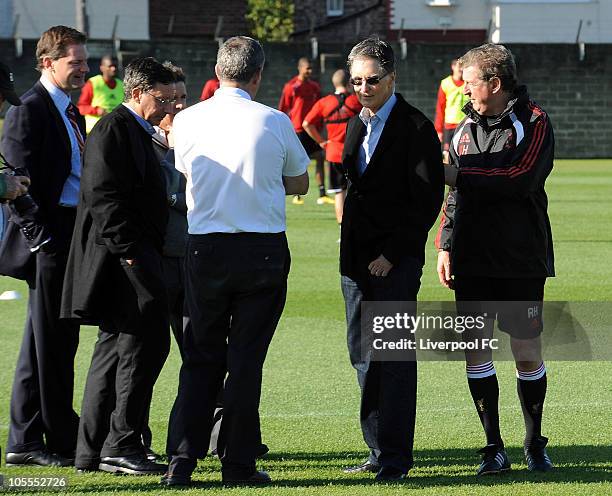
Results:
<point x="370" y="81"/>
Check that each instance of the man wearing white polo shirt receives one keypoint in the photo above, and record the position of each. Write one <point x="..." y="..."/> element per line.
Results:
<point x="240" y="158"/>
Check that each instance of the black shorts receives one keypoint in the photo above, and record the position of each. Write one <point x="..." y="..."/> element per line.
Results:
<point x="515" y="303"/>
<point x="308" y="143"/>
<point x="337" y="180"/>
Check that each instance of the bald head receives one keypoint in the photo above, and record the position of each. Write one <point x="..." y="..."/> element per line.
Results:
<point x="340" y="79"/>
<point x="304" y="68"/>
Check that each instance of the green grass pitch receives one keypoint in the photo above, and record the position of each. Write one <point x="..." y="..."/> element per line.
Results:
<point x="310" y="402"/>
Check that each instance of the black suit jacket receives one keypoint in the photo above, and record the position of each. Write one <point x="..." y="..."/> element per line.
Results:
<point x="35" y="138"/>
<point x="122" y="214"/>
<point x="391" y="207"/>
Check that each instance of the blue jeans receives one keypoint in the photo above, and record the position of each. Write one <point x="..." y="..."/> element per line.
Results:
<point x="388" y="389"/>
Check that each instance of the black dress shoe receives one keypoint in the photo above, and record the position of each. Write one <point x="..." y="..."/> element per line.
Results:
<point x="366" y="466"/>
<point x="262" y="450"/>
<point x="390" y="474"/>
<point x="175" y="480"/>
<point x="133" y="465"/>
<point x="257" y="477"/>
<point x="150" y="454"/>
<point x="39" y="457"/>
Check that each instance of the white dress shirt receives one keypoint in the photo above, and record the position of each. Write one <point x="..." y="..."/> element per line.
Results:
<point x="234" y="152"/>
<point x="374" y="123"/>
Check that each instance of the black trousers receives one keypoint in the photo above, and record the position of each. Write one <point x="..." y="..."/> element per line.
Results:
<point x="236" y="285"/>
<point x="174" y="278"/>
<point x="123" y="371"/>
<point x="388" y="389"/>
<point x="173" y="270"/>
<point x="41" y="413"/>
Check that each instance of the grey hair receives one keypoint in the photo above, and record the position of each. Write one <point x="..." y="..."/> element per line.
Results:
<point x="144" y="73"/>
<point x="373" y="48"/>
<point x="493" y="61"/>
<point x="239" y="58"/>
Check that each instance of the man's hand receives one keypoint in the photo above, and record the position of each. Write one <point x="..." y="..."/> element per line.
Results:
<point x="100" y="111"/>
<point x="444" y="269"/>
<point x="380" y="267"/>
<point x="445" y="157"/>
<point x="15" y="186"/>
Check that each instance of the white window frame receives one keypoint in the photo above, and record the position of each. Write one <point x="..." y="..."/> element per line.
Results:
<point x="335" y="8"/>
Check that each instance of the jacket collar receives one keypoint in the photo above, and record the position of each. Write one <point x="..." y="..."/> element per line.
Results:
<point x="137" y="138"/>
<point x="520" y="98"/>
<point x="392" y="130"/>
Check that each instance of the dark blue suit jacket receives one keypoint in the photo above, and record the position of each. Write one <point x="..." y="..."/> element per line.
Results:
<point x="34" y="137"/>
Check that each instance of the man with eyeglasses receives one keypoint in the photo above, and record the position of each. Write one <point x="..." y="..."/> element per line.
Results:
<point x="393" y="162"/>
<point x="495" y="239"/>
<point x="114" y="278"/>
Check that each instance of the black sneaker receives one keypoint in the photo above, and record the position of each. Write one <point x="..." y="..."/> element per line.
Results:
<point x="494" y="460"/>
<point x="536" y="456"/>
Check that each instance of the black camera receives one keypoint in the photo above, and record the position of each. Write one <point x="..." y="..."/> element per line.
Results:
<point x="24" y="204"/>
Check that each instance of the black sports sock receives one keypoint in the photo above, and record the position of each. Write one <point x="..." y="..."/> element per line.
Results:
<point x="485" y="393"/>
<point x="532" y="394"/>
<point x="321" y="190"/>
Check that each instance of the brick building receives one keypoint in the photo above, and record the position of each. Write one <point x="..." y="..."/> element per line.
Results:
<point x="340" y="20"/>
<point x="197" y="19"/>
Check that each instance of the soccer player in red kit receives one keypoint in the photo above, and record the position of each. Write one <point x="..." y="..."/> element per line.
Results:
<point x="334" y="111"/>
<point x="209" y="88"/>
<point x="299" y="95"/>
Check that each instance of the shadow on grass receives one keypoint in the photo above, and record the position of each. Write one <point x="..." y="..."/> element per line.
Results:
<point x="434" y="468"/>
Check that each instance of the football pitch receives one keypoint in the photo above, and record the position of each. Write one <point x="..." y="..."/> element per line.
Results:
<point x="310" y="401"/>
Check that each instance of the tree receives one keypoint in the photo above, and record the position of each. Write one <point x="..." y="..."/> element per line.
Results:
<point x="271" y="20"/>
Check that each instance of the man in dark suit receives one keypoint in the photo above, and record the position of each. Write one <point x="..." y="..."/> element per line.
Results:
<point x="396" y="184"/>
<point x="45" y="135"/>
<point x="114" y="275"/>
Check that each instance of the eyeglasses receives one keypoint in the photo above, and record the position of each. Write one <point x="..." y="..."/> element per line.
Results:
<point x="370" y="81"/>
<point x="163" y="101"/>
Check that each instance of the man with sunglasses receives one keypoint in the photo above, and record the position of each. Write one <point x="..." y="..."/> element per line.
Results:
<point x="114" y="277"/>
<point x="393" y="162"/>
<point x="495" y="239"/>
